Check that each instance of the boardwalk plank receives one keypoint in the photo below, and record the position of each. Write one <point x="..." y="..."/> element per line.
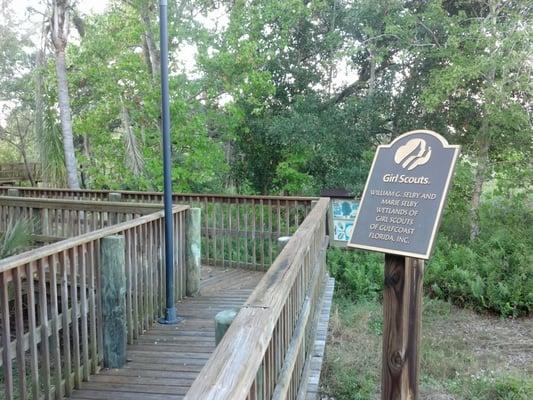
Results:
<point x="163" y="362"/>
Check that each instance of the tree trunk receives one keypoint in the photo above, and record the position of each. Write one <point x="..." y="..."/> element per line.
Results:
<point x="150" y="42"/>
<point x="482" y="165"/>
<point x="39" y="119"/>
<point x="134" y="160"/>
<point x="39" y="110"/>
<point x="479" y="180"/>
<point x="26" y="166"/>
<point x="66" y="120"/>
<point x="483" y="141"/>
<point x="147" y="57"/>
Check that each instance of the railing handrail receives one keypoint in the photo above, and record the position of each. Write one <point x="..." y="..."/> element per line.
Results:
<point x="54" y="248"/>
<point x="19" y="170"/>
<point x="18" y="164"/>
<point x="134" y="192"/>
<point x="232" y="368"/>
<point x="79" y="205"/>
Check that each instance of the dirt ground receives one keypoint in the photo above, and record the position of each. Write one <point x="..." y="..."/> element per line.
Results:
<point x="465" y="355"/>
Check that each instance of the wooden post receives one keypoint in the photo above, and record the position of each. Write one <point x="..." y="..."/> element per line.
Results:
<point x="222" y="322"/>
<point x="330" y="226"/>
<point x="114" y="300"/>
<point x="13" y="192"/>
<point x="113" y="196"/>
<point x="194" y="252"/>
<point x="282" y="241"/>
<point x="402" y="306"/>
<point x="113" y="217"/>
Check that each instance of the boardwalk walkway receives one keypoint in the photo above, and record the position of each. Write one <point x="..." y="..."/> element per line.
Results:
<point x="164" y="361"/>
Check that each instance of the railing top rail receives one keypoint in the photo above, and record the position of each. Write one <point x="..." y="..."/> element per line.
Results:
<point x="200" y="195"/>
<point x="80" y="205"/>
<point x="232" y="368"/>
<point x="12" y="166"/>
<point x="54" y="248"/>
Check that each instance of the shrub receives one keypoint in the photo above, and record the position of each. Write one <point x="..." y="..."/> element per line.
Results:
<point x="359" y="274"/>
<point x="492" y="273"/>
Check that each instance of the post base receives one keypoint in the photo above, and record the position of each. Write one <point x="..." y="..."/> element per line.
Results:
<point x="171" y="317"/>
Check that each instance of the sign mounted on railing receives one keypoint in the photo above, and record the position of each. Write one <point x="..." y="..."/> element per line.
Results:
<point x="404" y="195"/>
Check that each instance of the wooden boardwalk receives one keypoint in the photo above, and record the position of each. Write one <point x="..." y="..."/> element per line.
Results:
<point x="164" y="361"/>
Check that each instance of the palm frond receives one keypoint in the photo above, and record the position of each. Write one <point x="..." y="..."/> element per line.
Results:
<point x="17" y="237"/>
<point x="50" y="149"/>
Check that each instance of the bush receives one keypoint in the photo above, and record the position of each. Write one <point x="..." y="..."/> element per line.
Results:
<point x="359" y="274"/>
<point x="492" y="273"/>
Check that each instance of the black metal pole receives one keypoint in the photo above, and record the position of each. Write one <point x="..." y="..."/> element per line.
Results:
<point x="170" y="312"/>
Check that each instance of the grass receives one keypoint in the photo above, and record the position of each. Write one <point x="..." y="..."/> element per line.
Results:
<point x="465" y="355"/>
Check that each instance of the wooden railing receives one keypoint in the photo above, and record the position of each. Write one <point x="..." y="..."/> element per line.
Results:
<point x="237" y="231"/>
<point x="60" y="218"/>
<point x="264" y="353"/>
<point x="19" y="171"/>
<point x="50" y="304"/>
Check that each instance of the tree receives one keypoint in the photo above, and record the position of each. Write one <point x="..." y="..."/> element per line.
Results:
<point x="18" y="134"/>
<point x="59" y="30"/>
<point x="483" y="85"/>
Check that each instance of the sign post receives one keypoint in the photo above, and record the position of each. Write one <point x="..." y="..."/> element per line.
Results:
<point x="399" y="215"/>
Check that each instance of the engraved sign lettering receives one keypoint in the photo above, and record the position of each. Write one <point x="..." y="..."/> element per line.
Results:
<point x="404" y="195"/>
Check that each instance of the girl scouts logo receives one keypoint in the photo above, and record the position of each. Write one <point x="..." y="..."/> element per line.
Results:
<point x="412" y="154"/>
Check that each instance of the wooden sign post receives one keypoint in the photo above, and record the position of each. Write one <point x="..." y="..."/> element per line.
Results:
<point x="399" y="215"/>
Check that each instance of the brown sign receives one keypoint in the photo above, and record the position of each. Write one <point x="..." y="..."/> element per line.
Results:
<point x="404" y="195"/>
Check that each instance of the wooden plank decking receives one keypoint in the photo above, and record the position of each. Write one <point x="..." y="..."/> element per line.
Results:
<point x="164" y="361"/>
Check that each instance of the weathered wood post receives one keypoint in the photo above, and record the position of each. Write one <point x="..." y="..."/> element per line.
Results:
<point x="13" y="192"/>
<point x="14" y="217"/>
<point x="282" y="241"/>
<point x="113" y="217"/>
<point x="114" y="196"/>
<point x="223" y="321"/>
<point x="194" y="251"/>
<point x="402" y="309"/>
<point x="113" y="277"/>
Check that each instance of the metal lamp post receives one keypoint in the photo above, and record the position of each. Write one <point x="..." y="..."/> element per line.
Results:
<point x="170" y="316"/>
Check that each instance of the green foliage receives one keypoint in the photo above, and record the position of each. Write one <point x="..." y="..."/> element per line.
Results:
<point x="15" y="238"/>
<point x="492" y="273"/>
<point x="358" y="274"/>
<point x="50" y="149"/>
<point x="506" y="387"/>
<point x="455" y="224"/>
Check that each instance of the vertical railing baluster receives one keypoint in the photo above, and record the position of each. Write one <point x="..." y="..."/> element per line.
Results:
<point x="261" y="235"/>
<point x="73" y="257"/>
<point x="56" y="345"/>
<point x="91" y="286"/>
<point x="287" y="217"/>
<point x="84" y="311"/>
<point x="230" y="233"/>
<point x="254" y="236"/>
<point x="206" y="242"/>
<point x="215" y="233"/>
<point x="19" y="327"/>
<point x="43" y="322"/>
<point x="6" y="336"/>
<point x="222" y="232"/>
<point x="67" y="361"/>
<point x="129" y="284"/>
